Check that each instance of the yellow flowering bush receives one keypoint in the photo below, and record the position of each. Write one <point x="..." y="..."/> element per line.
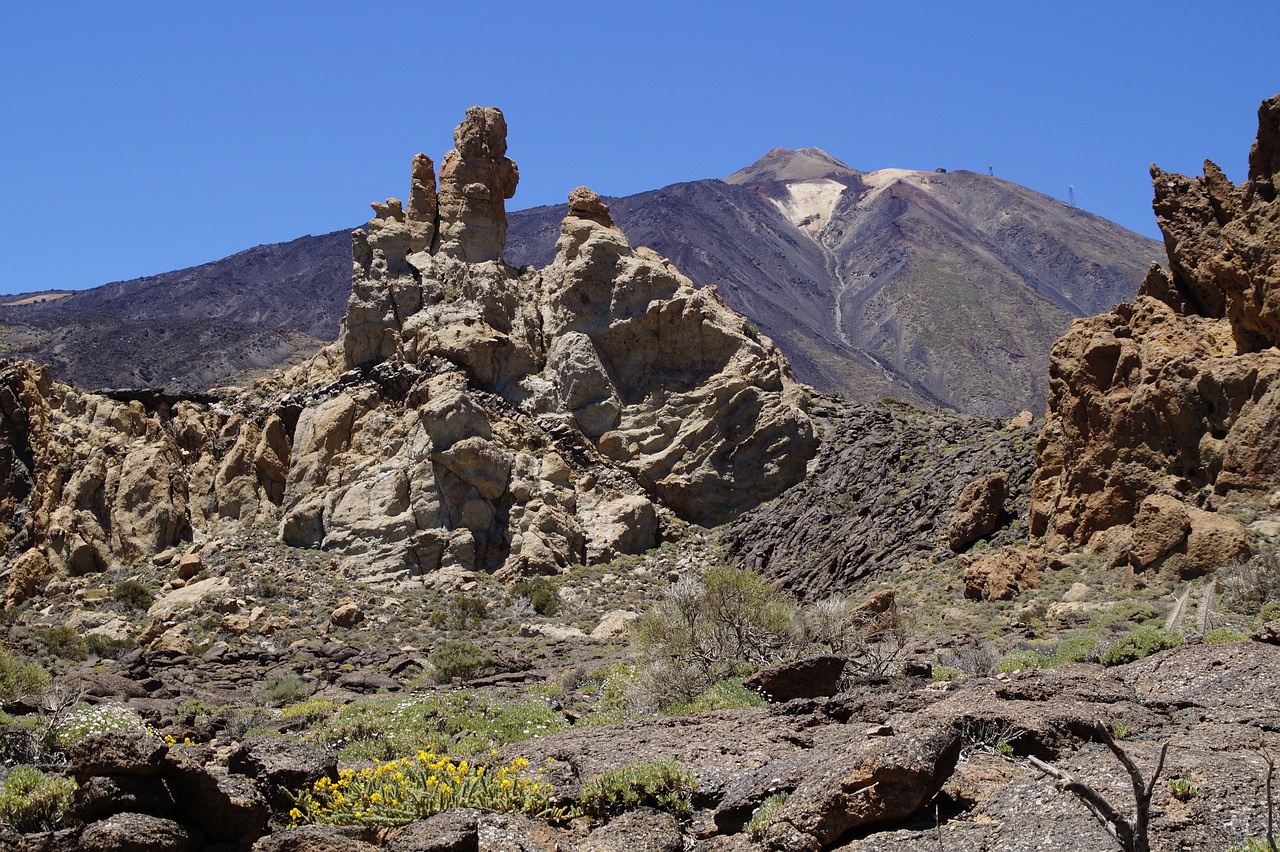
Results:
<point x="401" y="791"/>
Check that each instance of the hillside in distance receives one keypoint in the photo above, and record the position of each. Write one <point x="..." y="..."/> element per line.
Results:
<point x="192" y="328"/>
<point x="941" y="288"/>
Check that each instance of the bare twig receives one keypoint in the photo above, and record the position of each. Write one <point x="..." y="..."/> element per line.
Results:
<point x="1132" y="836"/>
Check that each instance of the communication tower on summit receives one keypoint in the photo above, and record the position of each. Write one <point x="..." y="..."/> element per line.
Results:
<point x="1071" y="194"/>
<point x="991" y="170"/>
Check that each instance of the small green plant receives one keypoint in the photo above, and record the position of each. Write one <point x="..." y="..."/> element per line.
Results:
<point x="408" y="789"/>
<point x="64" y="642"/>
<point x="764" y="815"/>
<point x="19" y="678"/>
<point x="195" y="712"/>
<point x="1024" y="660"/>
<point x="1223" y="636"/>
<point x="728" y="694"/>
<point x="1139" y="642"/>
<point x="1182" y="790"/>
<point x="541" y="592"/>
<point x="664" y="785"/>
<point x="459" y="659"/>
<point x="282" y="688"/>
<point x="32" y="801"/>
<point x="947" y="673"/>
<point x="312" y="711"/>
<point x="1119" y="731"/>
<point x="108" y="647"/>
<point x="132" y="594"/>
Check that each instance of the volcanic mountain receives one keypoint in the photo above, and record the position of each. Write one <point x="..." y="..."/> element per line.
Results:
<point x="943" y="287"/>
<point x="946" y="288"/>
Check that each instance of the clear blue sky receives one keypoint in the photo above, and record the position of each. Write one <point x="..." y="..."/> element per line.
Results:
<point x="144" y="137"/>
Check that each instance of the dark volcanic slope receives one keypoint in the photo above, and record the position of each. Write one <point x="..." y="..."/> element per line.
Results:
<point x="880" y="493"/>
<point x="194" y="327"/>
<point x="947" y="288"/>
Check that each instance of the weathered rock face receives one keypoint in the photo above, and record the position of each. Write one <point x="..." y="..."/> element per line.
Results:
<point x="470" y="417"/>
<point x="1174" y="395"/>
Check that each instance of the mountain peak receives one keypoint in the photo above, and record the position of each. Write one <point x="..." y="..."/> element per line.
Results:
<point x="786" y="165"/>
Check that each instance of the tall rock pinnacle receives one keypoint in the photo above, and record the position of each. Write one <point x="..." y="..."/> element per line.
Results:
<point x="475" y="179"/>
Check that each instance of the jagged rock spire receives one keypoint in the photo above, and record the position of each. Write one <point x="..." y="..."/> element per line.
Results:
<point x="475" y="179"/>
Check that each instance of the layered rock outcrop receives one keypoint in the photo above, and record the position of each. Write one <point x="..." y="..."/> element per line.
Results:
<point x="471" y="416"/>
<point x="1171" y="402"/>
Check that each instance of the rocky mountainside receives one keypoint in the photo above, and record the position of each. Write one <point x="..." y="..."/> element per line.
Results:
<point x="947" y="288"/>
<point x="1165" y="409"/>
<point x="943" y="288"/>
<point x="469" y="418"/>
<point x="194" y="328"/>
<point x="881" y="496"/>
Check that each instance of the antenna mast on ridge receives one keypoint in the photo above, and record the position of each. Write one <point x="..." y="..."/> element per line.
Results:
<point x="991" y="170"/>
<point x="1071" y="194"/>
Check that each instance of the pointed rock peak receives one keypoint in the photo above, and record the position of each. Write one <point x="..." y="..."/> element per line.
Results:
<point x="585" y="204"/>
<point x="787" y="166"/>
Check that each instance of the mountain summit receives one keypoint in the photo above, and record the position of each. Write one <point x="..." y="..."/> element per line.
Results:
<point x="940" y="287"/>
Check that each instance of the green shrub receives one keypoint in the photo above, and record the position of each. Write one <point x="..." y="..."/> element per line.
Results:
<point x="1139" y="642"/>
<point x="541" y="592"/>
<point x="19" y="678"/>
<point x="282" y="688"/>
<point x="764" y="815"/>
<point x="469" y="611"/>
<point x="664" y="785"/>
<point x="32" y="801"/>
<point x="947" y="673"/>
<point x="728" y="694"/>
<point x="312" y="711"/>
<point x="133" y="594"/>
<point x="1078" y="649"/>
<point x="108" y="647"/>
<point x="459" y="659"/>
<point x="1023" y="660"/>
<point x="64" y="642"/>
<point x="1182" y="790"/>
<point x="195" y="712"/>
<point x="1222" y="636"/>
<point x="705" y="630"/>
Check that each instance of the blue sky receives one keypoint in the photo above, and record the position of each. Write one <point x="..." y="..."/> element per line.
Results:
<point x="144" y="137"/>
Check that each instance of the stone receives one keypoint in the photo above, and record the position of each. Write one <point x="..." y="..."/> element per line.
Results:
<point x="639" y="830"/>
<point x="347" y="614"/>
<point x="886" y="779"/>
<point x="278" y="764"/>
<point x="190" y="565"/>
<point x="1003" y="575"/>
<point x="318" y="838"/>
<point x="1162" y="524"/>
<point x="814" y="677"/>
<point x="134" y="753"/>
<point x="476" y="178"/>
<point x="131" y="832"/>
<point x="978" y="510"/>
<point x="614" y="624"/>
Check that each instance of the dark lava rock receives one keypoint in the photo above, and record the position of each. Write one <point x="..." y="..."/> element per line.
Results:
<point x="816" y="677"/>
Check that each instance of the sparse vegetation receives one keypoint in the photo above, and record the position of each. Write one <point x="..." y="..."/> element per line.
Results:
<point x="461" y="660"/>
<point x="33" y="801"/>
<point x="764" y="815"/>
<point x="1142" y="641"/>
<point x="132" y="594"/>
<point x="664" y="785"/>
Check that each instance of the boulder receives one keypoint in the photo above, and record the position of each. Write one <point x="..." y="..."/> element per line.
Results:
<point x="277" y="764"/>
<point x="1003" y="575"/>
<point x="978" y="510"/>
<point x="885" y="779"/>
<point x="814" y="677"/>
<point x="131" y="832"/>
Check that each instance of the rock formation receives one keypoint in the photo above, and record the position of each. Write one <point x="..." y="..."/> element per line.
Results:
<point x="1167" y="406"/>
<point x="470" y="417"/>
